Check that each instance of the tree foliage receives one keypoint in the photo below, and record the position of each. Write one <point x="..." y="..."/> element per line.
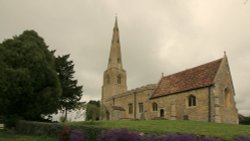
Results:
<point x="71" y="93"/>
<point x="93" y="110"/>
<point x="29" y="85"/>
<point x="244" y="119"/>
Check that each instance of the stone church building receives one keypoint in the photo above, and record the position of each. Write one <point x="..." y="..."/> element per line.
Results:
<point x="202" y="93"/>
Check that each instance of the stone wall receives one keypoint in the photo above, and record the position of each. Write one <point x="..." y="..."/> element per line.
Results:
<point x="214" y="103"/>
<point x="224" y="106"/>
<point x="110" y="86"/>
<point x="176" y="106"/>
<point x="134" y="97"/>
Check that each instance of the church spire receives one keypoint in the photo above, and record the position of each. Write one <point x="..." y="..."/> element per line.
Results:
<point x="114" y="77"/>
<point x="115" y="58"/>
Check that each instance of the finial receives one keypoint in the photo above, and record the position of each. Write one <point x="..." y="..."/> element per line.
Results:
<point x="116" y="24"/>
<point x="162" y="74"/>
<point x="116" y="16"/>
<point x="225" y="53"/>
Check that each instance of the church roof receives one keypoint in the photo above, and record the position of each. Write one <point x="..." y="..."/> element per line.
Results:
<point x="194" y="78"/>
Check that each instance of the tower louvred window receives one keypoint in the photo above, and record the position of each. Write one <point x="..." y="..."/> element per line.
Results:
<point x="108" y="79"/>
<point x="119" y="60"/>
<point x="119" y="79"/>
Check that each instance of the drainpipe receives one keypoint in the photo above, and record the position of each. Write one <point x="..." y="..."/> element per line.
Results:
<point x="134" y="105"/>
<point x="209" y="104"/>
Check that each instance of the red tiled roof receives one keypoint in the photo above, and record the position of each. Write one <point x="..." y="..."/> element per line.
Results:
<point x="197" y="77"/>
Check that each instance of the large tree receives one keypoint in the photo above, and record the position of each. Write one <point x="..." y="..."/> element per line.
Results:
<point x="71" y="92"/>
<point x="29" y="85"/>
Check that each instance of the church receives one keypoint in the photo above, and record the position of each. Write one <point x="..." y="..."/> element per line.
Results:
<point x="203" y="93"/>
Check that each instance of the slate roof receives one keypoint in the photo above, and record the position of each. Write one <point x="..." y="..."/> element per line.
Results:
<point x="194" y="78"/>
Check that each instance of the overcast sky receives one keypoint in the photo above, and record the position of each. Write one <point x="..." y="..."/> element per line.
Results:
<point x="157" y="36"/>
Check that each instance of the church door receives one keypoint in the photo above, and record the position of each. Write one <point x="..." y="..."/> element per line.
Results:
<point x="162" y="113"/>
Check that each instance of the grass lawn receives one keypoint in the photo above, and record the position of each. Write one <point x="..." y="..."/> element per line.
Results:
<point x="5" y="136"/>
<point x="224" y="131"/>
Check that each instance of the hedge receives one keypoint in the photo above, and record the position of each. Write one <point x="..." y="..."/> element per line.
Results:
<point x="57" y="130"/>
<point x="92" y="133"/>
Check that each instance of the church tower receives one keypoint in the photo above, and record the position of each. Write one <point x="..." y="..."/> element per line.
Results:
<point x="114" y="77"/>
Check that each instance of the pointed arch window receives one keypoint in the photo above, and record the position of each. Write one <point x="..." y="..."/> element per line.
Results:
<point x="141" y="109"/>
<point x="119" y="79"/>
<point x="155" y="106"/>
<point x="191" y="101"/>
<point x="227" y="99"/>
<point x="130" y="108"/>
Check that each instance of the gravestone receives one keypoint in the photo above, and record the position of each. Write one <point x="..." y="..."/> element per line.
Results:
<point x="1" y="123"/>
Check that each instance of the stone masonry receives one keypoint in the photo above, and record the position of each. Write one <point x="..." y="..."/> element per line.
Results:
<point x="202" y="93"/>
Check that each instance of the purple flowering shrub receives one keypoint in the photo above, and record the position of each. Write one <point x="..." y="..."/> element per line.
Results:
<point x="77" y="135"/>
<point x="242" y="138"/>
<point x="125" y="135"/>
<point x="119" y="135"/>
<point x="176" y="137"/>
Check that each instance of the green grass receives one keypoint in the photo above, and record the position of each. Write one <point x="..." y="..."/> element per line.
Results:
<point x="224" y="131"/>
<point x="5" y="136"/>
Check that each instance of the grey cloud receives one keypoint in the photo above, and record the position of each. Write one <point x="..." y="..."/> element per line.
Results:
<point x="156" y="36"/>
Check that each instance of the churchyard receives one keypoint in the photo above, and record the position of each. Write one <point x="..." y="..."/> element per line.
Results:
<point x="134" y="130"/>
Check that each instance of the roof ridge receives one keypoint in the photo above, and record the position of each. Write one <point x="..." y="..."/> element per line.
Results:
<point x="192" y="78"/>
<point x="193" y="67"/>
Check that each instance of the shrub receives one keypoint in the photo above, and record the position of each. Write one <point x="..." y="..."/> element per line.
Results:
<point x="10" y="121"/>
<point x="57" y="130"/>
<point x="119" y="135"/>
<point x="176" y="137"/>
<point x="77" y="135"/>
<point x="39" y="128"/>
<point x="242" y="138"/>
<point x="92" y="133"/>
<point x="64" y="135"/>
<point x="125" y="135"/>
